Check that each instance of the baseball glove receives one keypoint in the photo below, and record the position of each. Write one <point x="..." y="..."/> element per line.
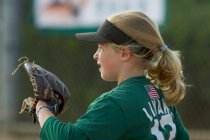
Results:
<point x="46" y="86"/>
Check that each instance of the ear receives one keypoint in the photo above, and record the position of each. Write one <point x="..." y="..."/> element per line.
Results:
<point x="126" y="54"/>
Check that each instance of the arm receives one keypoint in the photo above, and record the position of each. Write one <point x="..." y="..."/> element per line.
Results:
<point x="43" y="113"/>
<point x="103" y="120"/>
<point x="53" y="129"/>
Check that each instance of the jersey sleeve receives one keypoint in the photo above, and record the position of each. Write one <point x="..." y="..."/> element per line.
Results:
<point x="181" y="132"/>
<point x="54" y="129"/>
<point x="104" y="120"/>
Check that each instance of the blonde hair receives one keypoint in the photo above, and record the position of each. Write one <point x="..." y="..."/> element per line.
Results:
<point x="163" y="68"/>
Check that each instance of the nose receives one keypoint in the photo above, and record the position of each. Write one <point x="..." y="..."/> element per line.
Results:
<point x="95" y="56"/>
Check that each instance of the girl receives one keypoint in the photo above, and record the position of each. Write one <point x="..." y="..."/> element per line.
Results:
<point x="149" y="80"/>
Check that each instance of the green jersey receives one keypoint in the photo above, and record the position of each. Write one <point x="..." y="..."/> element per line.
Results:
<point x="135" y="110"/>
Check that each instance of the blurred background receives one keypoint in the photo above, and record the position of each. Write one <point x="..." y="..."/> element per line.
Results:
<point x="35" y="28"/>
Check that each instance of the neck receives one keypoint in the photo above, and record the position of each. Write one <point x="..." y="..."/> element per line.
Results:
<point x="124" y="75"/>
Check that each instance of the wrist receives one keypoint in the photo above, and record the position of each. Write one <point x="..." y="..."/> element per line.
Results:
<point x="42" y="108"/>
<point x="40" y="103"/>
<point x="43" y="113"/>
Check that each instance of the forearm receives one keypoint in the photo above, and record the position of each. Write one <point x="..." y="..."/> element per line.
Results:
<point x="54" y="129"/>
<point x="43" y="113"/>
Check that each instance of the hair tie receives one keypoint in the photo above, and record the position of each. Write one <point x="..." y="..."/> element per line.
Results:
<point x="163" y="48"/>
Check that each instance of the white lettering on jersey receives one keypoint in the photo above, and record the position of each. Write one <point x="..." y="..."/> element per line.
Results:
<point x="160" y="115"/>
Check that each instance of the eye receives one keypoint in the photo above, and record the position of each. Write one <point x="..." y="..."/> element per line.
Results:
<point x="100" y="47"/>
<point x="101" y="43"/>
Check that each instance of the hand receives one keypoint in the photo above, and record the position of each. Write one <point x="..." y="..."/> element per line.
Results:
<point x="48" y="88"/>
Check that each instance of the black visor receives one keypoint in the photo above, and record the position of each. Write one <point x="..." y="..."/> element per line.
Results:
<point x="107" y="32"/>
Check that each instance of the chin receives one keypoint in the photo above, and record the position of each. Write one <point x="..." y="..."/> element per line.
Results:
<point x="106" y="78"/>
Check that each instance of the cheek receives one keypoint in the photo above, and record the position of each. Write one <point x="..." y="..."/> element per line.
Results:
<point x="109" y="60"/>
<point x="106" y="62"/>
<point x="109" y="69"/>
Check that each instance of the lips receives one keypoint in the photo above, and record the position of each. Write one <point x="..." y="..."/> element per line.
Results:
<point x="99" y="66"/>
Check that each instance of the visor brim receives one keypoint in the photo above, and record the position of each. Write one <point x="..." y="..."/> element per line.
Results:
<point x="91" y="37"/>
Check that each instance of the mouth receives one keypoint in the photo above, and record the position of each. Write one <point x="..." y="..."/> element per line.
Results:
<point x="99" y="66"/>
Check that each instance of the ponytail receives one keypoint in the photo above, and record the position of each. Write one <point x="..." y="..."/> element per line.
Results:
<point x="165" y="71"/>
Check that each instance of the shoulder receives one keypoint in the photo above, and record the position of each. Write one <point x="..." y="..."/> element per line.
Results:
<point x="103" y="113"/>
<point x="129" y="94"/>
<point x="104" y="104"/>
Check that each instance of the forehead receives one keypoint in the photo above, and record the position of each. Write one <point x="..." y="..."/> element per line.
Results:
<point x="107" y="47"/>
<point x="104" y="44"/>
